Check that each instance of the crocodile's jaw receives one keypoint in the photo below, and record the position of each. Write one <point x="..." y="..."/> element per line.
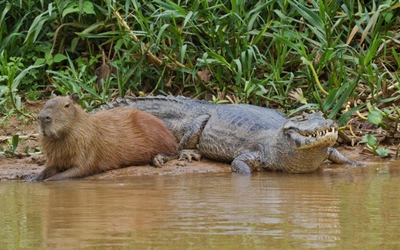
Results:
<point x="310" y="131"/>
<point x="324" y="138"/>
<point x="304" y="153"/>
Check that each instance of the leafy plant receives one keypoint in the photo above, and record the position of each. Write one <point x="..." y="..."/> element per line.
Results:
<point x="78" y="81"/>
<point x="12" y="74"/>
<point x="375" y="117"/>
<point x="340" y="55"/>
<point x="373" y="145"/>
<point x="12" y="146"/>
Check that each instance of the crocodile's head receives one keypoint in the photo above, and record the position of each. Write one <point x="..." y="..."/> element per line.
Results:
<point x="310" y="131"/>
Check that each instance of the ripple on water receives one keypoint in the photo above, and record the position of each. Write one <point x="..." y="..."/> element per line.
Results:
<point x="335" y="208"/>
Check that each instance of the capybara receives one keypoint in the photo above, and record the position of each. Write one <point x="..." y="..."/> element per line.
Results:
<point x="78" y="144"/>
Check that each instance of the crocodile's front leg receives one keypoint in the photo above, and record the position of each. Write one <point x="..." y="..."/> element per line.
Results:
<point x="191" y="137"/>
<point x="246" y="162"/>
<point x="189" y="155"/>
<point x="184" y="154"/>
<point x="336" y="157"/>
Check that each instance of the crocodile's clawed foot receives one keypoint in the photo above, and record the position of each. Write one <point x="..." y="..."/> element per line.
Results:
<point x="181" y="164"/>
<point x="189" y="154"/>
<point x="160" y="159"/>
<point x="240" y="167"/>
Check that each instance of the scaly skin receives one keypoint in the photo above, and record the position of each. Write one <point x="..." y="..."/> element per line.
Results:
<point x="249" y="137"/>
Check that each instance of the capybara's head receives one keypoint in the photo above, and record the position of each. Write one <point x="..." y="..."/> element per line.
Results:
<point x="58" y="115"/>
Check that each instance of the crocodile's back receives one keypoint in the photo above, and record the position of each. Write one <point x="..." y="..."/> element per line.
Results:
<point x="169" y="106"/>
<point x="233" y="127"/>
<point x="178" y="113"/>
<point x="261" y="118"/>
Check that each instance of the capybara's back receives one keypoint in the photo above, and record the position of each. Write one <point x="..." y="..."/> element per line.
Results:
<point x="130" y="130"/>
<point x="77" y="144"/>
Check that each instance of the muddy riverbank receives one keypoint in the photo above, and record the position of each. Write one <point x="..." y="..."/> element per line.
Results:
<point x="27" y="167"/>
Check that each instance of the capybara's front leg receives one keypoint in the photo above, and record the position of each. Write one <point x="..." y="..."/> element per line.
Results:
<point x="46" y="173"/>
<point x="71" y="173"/>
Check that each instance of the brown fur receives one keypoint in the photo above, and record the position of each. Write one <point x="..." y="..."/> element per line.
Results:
<point x="78" y="144"/>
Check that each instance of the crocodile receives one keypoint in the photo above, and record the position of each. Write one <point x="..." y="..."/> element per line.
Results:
<point x="249" y="137"/>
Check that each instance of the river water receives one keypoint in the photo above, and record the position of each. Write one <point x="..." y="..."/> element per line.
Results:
<point x="335" y="208"/>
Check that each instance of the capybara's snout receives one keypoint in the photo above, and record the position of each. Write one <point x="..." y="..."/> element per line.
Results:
<point x="44" y="117"/>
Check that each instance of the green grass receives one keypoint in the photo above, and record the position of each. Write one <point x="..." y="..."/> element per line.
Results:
<point x="335" y="56"/>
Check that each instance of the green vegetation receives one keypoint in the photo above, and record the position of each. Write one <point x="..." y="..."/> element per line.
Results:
<point x="340" y="57"/>
<point x="373" y="145"/>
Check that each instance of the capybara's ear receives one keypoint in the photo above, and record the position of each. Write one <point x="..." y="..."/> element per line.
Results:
<point x="74" y="97"/>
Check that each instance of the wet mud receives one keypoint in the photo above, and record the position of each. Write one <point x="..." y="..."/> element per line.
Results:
<point x="28" y="167"/>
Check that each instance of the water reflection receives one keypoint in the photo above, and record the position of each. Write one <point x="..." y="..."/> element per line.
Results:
<point x="335" y="208"/>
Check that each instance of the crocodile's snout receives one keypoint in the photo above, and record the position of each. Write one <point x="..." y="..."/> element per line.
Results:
<point x="310" y="130"/>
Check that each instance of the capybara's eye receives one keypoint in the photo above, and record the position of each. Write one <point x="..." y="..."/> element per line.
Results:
<point x="67" y="105"/>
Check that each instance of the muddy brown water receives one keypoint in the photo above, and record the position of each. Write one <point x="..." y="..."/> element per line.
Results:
<point x="334" y="208"/>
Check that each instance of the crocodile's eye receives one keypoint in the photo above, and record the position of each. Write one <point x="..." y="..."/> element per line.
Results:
<point x="301" y="118"/>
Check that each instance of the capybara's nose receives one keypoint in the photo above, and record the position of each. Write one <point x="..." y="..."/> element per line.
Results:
<point x="44" y="118"/>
